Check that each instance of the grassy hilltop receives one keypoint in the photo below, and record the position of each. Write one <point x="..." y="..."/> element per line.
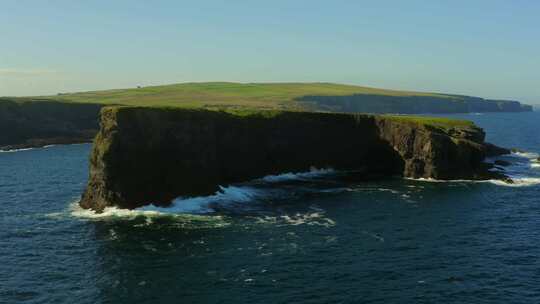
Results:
<point x="228" y="94"/>
<point x="289" y="96"/>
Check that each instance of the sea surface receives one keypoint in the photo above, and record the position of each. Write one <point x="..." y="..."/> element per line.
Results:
<point x="292" y="238"/>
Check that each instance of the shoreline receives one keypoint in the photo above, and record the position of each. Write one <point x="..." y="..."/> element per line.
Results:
<point x="43" y="143"/>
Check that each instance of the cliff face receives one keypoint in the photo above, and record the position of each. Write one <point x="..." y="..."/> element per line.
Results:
<point x="149" y="155"/>
<point x="367" y="103"/>
<point x="38" y="123"/>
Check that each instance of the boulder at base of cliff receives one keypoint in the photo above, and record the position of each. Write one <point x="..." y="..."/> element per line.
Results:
<point x="493" y="150"/>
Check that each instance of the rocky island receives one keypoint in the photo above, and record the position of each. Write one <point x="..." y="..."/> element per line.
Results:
<point x="149" y="155"/>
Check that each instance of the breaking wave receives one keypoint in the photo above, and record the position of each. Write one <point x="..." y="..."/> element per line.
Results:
<point x="247" y="197"/>
<point x="17" y="150"/>
<point x="234" y="197"/>
<point x="522" y="171"/>
<point x="311" y="174"/>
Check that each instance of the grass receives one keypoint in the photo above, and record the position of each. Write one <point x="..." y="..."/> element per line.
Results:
<point x="227" y="95"/>
<point x="436" y="122"/>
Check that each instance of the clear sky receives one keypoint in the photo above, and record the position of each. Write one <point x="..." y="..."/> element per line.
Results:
<point x="486" y="48"/>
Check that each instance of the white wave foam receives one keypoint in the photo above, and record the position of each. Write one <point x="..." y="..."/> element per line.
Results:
<point x="524" y="154"/>
<point x="182" y="220"/>
<point x="181" y="206"/>
<point x="517" y="182"/>
<point x="519" y="171"/>
<point x="311" y="174"/>
<point x="433" y="180"/>
<point x="109" y="212"/>
<point x="309" y="218"/>
<point x="16" y="150"/>
<point x="37" y="148"/>
<point x="202" y="204"/>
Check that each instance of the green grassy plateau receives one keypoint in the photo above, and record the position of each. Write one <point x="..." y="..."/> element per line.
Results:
<point x="225" y="94"/>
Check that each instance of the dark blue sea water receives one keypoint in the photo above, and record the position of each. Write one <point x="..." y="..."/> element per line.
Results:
<point x="306" y="238"/>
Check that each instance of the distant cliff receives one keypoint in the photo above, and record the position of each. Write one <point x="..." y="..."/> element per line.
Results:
<point x="152" y="155"/>
<point x="369" y="103"/>
<point x="37" y="123"/>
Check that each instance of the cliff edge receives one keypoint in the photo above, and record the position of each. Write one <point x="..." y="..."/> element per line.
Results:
<point x="154" y="155"/>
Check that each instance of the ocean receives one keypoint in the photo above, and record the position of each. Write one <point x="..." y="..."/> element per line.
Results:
<point x="312" y="237"/>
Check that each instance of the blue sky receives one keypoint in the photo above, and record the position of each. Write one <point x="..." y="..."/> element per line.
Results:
<point x="485" y="48"/>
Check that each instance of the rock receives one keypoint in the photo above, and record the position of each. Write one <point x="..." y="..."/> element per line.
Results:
<point x="153" y="155"/>
<point x="37" y="123"/>
<point x="493" y="150"/>
<point x="375" y="103"/>
<point x="500" y="162"/>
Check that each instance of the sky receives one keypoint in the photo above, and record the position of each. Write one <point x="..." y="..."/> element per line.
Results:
<point x="483" y="48"/>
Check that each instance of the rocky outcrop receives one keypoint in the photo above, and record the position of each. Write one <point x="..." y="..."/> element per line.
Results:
<point x="151" y="155"/>
<point x="38" y="123"/>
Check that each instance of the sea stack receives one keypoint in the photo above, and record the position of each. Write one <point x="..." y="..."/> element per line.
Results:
<point x="144" y="155"/>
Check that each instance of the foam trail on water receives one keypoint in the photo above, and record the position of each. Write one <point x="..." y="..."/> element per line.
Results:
<point x="524" y="154"/>
<point x="16" y="150"/>
<point x="521" y="172"/>
<point x="202" y="204"/>
<point x="109" y="212"/>
<point x="184" y="220"/>
<point x="199" y="205"/>
<point x="311" y="174"/>
<point x="518" y="182"/>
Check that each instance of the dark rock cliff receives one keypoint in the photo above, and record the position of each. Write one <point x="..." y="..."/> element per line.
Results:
<point x="38" y="123"/>
<point x="150" y="155"/>
<point x="367" y="103"/>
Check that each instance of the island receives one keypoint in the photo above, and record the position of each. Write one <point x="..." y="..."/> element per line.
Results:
<point x="73" y="117"/>
<point x="152" y="155"/>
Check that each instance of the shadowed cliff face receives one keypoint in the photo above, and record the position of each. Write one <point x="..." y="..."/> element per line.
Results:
<point x="145" y="155"/>
<point x="368" y="103"/>
<point x="38" y="123"/>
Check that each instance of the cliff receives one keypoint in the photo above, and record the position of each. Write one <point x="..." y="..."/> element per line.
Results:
<point x="69" y="118"/>
<point x="371" y="103"/>
<point x="153" y="155"/>
<point x="39" y="122"/>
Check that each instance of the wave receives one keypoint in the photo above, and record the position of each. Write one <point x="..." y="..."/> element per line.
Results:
<point x="313" y="173"/>
<point x="308" y="218"/>
<point x="524" y="154"/>
<point x="203" y="204"/>
<point x="38" y="148"/>
<point x="199" y="205"/>
<point x="519" y="171"/>
<point x="17" y="150"/>
<point x="182" y="220"/>
<point x="517" y="182"/>
<point x="241" y="197"/>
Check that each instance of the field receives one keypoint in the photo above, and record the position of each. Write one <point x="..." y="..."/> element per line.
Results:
<point x="282" y="96"/>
